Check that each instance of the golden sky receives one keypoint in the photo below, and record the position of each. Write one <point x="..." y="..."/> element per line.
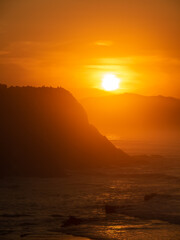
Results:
<point x="73" y="43"/>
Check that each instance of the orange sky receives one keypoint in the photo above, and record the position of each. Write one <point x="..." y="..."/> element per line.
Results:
<point x="72" y="43"/>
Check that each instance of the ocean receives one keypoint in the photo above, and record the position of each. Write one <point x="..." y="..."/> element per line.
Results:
<point x="143" y="203"/>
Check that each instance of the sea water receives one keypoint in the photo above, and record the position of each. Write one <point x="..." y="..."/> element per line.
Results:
<point x="36" y="208"/>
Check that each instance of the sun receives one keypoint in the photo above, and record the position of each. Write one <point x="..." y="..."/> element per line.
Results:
<point x="110" y="82"/>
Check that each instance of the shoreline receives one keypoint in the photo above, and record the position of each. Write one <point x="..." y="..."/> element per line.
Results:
<point x="71" y="237"/>
<point x="56" y="237"/>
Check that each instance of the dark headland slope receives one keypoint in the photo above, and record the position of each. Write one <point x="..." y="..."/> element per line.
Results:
<point x="45" y="130"/>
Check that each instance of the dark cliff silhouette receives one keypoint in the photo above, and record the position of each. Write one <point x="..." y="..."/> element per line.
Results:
<point x="45" y="130"/>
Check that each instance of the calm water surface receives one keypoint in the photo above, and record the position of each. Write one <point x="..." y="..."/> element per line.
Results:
<point x="35" y="208"/>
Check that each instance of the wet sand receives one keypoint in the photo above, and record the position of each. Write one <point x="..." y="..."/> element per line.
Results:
<point x="63" y="237"/>
<point x="66" y="237"/>
<point x="43" y="237"/>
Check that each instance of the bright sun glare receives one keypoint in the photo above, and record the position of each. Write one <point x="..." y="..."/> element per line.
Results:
<point x="110" y="82"/>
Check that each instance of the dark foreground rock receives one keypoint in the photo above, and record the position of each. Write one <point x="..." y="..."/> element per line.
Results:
<point x="72" y="221"/>
<point x="109" y="209"/>
<point x="148" y="197"/>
